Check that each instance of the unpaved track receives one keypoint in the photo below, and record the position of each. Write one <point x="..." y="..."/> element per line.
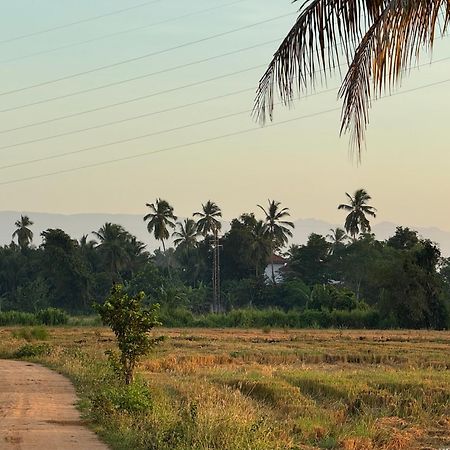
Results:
<point x="37" y="411"/>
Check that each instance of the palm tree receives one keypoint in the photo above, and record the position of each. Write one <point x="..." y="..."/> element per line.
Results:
<point x="113" y="247"/>
<point x="209" y="222"/>
<point x="356" y="221"/>
<point x="186" y="237"/>
<point x="160" y="219"/>
<point x="277" y="228"/>
<point x="261" y="244"/>
<point x="338" y="238"/>
<point x="23" y="233"/>
<point x="379" y="39"/>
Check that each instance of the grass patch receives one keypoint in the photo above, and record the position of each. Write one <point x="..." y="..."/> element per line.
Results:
<point x="31" y="334"/>
<point x="239" y="389"/>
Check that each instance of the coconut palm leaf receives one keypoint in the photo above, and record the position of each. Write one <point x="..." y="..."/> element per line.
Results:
<point x="377" y="39"/>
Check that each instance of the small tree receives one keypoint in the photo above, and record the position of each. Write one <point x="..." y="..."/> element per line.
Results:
<point x="131" y="324"/>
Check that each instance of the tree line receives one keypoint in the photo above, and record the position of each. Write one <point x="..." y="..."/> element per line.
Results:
<point x="400" y="282"/>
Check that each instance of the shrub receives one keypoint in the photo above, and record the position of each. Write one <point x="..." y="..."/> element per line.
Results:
<point x="32" y="351"/>
<point x="29" y="334"/>
<point x="17" y="318"/>
<point x="131" y="324"/>
<point x="52" y="316"/>
<point x="132" y="398"/>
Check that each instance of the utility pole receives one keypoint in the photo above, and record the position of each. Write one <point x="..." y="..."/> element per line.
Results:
<point x="217" y="307"/>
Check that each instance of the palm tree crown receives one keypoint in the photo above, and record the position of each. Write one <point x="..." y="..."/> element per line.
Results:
<point x="356" y="221"/>
<point x="186" y="237"/>
<point x="379" y="39"/>
<point x="160" y="219"/>
<point x="209" y="222"/>
<point x="338" y="238"/>
<point x="23" y="233"/>
<point x="277" y="228"/>
<point x="113" y="246"/>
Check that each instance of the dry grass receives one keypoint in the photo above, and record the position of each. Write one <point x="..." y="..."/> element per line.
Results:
<point x="283" y="389"/>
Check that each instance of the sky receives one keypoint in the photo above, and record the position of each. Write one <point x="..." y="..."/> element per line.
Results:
<point x="302" y="163"/>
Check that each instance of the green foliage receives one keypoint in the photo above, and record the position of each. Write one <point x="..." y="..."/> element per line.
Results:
<point x="333" y="298"/>
<point x="33" y="351"/>
<point x="17" y="318"/>
<point x="133" y="398"/>
<point x="52" y="317"/>
<point x="274" y="318"/>
<point x="30" y="334"/>
<point x="131" y="324"/>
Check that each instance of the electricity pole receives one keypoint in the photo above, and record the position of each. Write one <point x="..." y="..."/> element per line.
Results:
<point x="217" y="307"/>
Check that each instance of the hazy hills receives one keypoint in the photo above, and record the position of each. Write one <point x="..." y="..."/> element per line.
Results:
<point x="76" y="225"/>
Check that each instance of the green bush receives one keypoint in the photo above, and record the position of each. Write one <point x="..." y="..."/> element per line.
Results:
<point x="131" y="325"/>
<point x="17" y="318"/>
<point x="52" y="317"/>
<point x="132" y="398"/>
<point x="30" y="334"/>
<point x="32" y="350"/>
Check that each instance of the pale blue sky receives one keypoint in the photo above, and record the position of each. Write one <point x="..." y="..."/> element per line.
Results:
<point x="304" y="164"/>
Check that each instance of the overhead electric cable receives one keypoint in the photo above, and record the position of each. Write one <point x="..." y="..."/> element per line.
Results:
<point x="78" y="22"/>
<point x="135" y="99"/>
<point x="215" y="138"/>
<point x="165" y="149"/>
<point x="44" y="122"/>
<point x="139" y="77"/>
<point x="136" y="138"/>
<point x="119" y="33"/>
<point x="144" y="56"/>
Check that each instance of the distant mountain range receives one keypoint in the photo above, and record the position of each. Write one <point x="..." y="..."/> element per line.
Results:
<point x="76" y="225"/>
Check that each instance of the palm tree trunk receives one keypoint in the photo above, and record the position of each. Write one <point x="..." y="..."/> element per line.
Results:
<point x="168" y="265"/>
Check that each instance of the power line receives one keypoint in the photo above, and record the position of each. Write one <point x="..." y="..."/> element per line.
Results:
<point x="119" y="33"/>
<point x="162" y="150"/>
<point x="144" y="56"/>
<point x="202" y="141"/>
<point x="136" y="138"/>
<point x="159" y="72"/>
<point x="139" y="77"/>
<point x="135" y="99"/>
<point x="161" y="111"/>
<point x="77" y="22"/>
<point x="140" y="116"/>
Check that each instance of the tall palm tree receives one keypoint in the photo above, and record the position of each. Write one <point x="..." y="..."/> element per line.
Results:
<point x="186" y="237"/>
<point x="23" y="233"/>
<point x="160" y="219"/>
<point x="261" y="244"/>
<point x="113" y="246"/>
<point x="209" y="218"/>
<point x="277" y="228"/>
<point x="338" y="238"/>
<point x="356" y="221"/>
<point x="378" y="39"/>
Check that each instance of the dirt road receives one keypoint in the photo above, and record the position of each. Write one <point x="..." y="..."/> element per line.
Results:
<point x="37" y="411"/>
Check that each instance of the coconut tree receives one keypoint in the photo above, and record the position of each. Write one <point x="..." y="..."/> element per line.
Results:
<point x="278" y="229"/>
<point x="356" y="221"/>
<point x="23" y="233"/>
<point x="377" y="39"/>
<point x="338" y="238"/>
<point x="186" y="236"/>
<point x="113" y="247"/>
<point x="209" y="222"/>
<point x="160" y="219"/>
<point x="261" y="244"/>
